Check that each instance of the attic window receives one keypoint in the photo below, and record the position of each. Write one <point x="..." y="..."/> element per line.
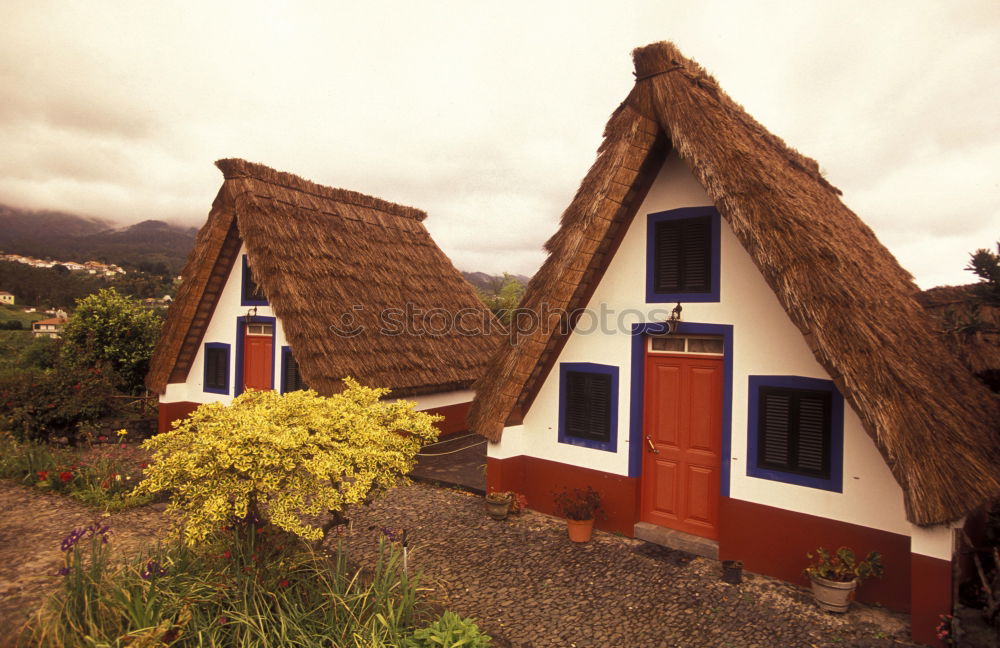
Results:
<point x="683" y="255"/>
<point x="291" y="379"/>
<point x="252" y="294"/>
<point x="796" y="431"/>
<point x="588" y="405"/>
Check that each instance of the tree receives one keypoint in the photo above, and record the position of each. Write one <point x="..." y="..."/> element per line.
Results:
<point x="986" y="265"/>
<point x="505" y="297"/>
<point x="109" y="328"/>
<point x="278" y="457"/>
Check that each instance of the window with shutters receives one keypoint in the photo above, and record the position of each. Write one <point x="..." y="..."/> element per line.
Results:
<point x="588" y="405"/>
<point x="796" y="431"/>
<point x="291" y="379"/>
<point x="252" y="294"/>
<point x="216" y="368"/>
<point x="682" y="255"/>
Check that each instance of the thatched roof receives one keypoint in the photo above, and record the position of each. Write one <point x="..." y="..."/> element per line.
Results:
<point x="969" y="326"/>
<point x="934" y="424"/>
<point x="320" y="253"/>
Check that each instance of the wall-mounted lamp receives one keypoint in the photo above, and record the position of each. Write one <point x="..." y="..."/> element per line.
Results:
<point x="674" y="319"/>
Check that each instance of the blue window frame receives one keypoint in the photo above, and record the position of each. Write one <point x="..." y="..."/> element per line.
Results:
<point x="216" y="361"/>
<point x="796" y="431"/>
<point x="291" y="379"/>
<point x="250" y="292"/>
<point x="588" y="405"/>
<point x="683" y="255"/>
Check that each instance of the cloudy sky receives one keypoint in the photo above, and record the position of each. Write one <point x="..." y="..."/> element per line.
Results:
<point x="487" y="115"/>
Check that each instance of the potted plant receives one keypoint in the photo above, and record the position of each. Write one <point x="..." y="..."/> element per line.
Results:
<point x="579" y="507"/>
<point x="498" y="504"/>
<point x="835" y="576"/>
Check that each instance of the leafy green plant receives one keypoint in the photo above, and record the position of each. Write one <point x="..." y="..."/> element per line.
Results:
<point x="578" y="503"/>
<point x="281" y="457"/>
<point x="111" y="329"/>
<point x="449" y="631"/>
<point x="843" y="566"/>
<point x="250" y="586"/>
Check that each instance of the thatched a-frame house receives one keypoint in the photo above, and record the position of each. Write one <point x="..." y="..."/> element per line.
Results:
<point x="799" y="399"/>
<point x="294" y="283"/>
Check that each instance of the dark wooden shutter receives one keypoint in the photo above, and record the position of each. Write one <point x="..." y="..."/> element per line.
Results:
<point x="588" y="406"/>
<point x="814" y="425"/>
<point x="683" y="255"/>
<point x="775" y="429"/>
<point x="216" y="368"/>
<point x="292" y="379"/>
<point x="794" y="431"/>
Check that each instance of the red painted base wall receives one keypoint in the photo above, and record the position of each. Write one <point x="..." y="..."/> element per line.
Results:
<point x="170" y="412"/>
<point x="539" y="480"/>
<point x="775" y="541"/>
<point x="931" y="597"/>
<point x="454" y="419"/>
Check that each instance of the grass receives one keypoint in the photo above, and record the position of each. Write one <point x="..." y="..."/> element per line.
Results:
<point x="16" y="313"/>
<point x="251" y="587"/>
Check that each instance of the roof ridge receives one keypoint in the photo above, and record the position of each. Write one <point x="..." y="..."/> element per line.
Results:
<point x="237" y="168"/>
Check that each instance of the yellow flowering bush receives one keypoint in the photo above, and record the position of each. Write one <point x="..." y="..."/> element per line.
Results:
<point x="282" y="457"/>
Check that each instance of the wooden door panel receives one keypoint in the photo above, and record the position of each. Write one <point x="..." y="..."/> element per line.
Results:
<point x="666" y="494"/>
<point x="667" y="417"/>
<point x="703" y="424"/>
<point x="701" y="488"/>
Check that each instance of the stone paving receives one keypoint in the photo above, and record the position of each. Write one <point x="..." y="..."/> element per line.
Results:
<point x="530" y="587"/>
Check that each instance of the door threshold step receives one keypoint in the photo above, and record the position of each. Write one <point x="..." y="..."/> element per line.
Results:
<point x="672" y="539"/>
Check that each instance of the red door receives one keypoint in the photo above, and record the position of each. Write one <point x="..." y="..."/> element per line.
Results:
<point x="258" y="356"/>
<point x="682" y="443"/>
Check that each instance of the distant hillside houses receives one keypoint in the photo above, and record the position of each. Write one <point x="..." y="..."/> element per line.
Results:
<point x="90" y="267"/>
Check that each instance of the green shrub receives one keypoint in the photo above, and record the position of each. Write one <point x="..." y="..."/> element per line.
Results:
<point x="115" y="330"/>
<point x="44" y="405"/>
<point x="449" y="631"/>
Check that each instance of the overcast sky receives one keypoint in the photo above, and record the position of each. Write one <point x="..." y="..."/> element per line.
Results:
<point x="487" y="115"/>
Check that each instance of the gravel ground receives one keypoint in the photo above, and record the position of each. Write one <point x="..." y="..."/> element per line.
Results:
<point x="522" y="579"/>
<point x="34" y="524"/>
<point x="530" y="587"/>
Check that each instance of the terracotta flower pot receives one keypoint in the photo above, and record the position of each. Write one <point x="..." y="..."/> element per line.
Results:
<point x="580" y="530"/>
<point x="498" y="508"/>
<point x="831" y="595"/>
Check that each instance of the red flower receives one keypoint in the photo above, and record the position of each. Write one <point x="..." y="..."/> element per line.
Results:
<point x="66" y="476"/>
<point x="123" y="446"/>
<point x="145" y="465"/>
<point x="283" y="583"/>
<point x="226" y="555"/>
<point x="43" y="475"/>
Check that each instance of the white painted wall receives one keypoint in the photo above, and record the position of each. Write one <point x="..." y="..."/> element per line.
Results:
<point x="765" y="342"/>
<point x="222" y="328"/>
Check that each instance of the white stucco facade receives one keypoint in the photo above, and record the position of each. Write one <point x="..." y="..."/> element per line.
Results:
<point x="223" y="328"/>
<point x="765" y="343"/>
